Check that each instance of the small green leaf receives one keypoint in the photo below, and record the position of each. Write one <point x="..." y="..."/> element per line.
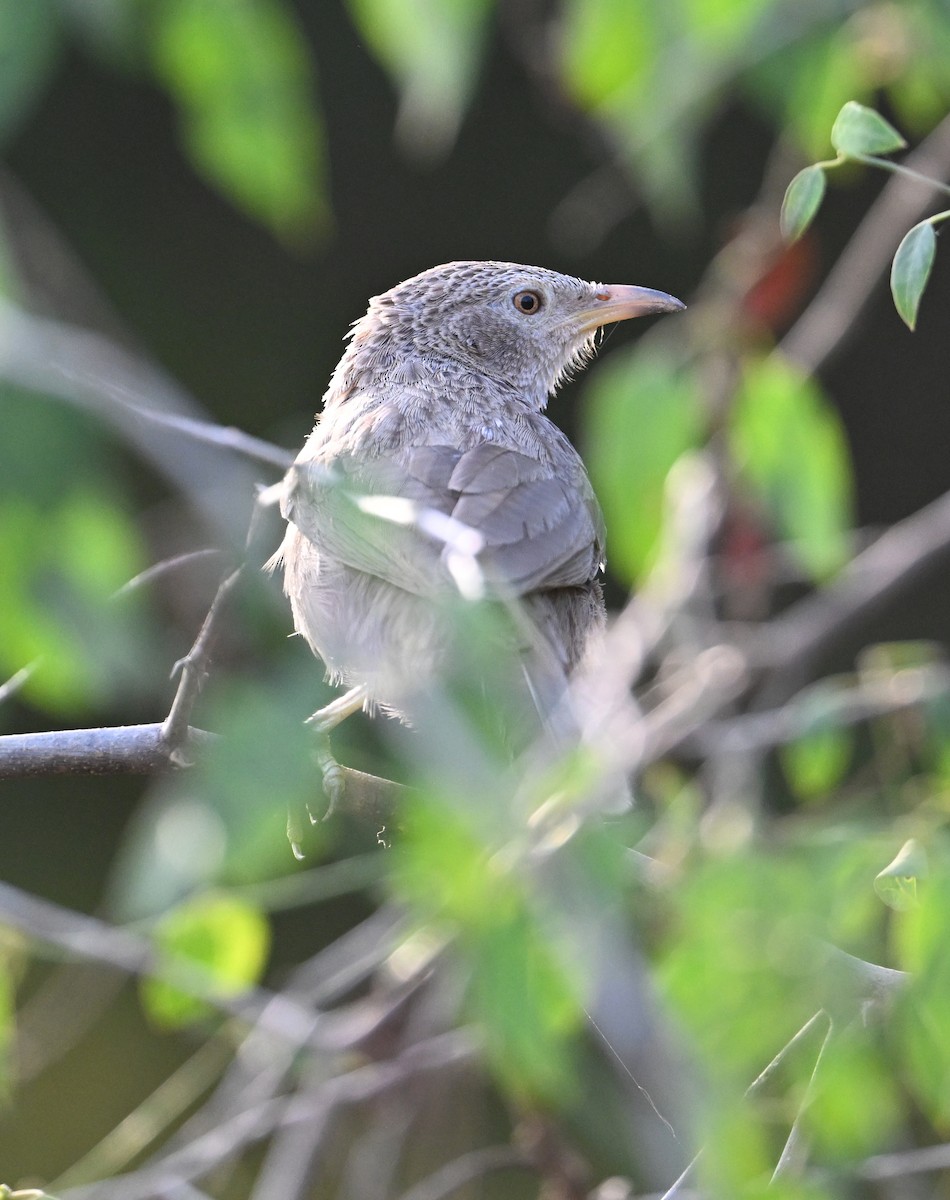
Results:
<point x="642" y="415"/>
<point x="242" y="78"/>
<point x="897" y="883"/>
<point x="859" y="131"/>
<point x="910" y="270"/>
<point x="791" y="451"/>
<point x="803" y="198"/>
<point x="816" y="763"/>
<point x="225" y="936"/>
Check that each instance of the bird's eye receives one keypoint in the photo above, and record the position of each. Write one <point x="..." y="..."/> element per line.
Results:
<point x="527" y="302"/>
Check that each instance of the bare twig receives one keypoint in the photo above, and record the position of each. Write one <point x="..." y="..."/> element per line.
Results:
<point x="466" y="1169"/>
<point x="905" y="1162"/>
<point x="155" y="416"/>
<point x="16" y="681"/>
<point x="438" y="1054"/>
<point x="157" y="570"/>
<point x="193" y="668"/>
<point x="871" y="583"/>
<point x="791" y="1159"/>
<point x="84" y="937"/>
<point x="826" y="702"/>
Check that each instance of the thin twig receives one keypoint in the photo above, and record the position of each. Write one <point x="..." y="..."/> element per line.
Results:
<point x="85" y="937"/>
<point x="166" y="566"/>
<point x="791" y="1159"/>
<point x="466" y="1169"/>
<point x="873" y="582"/>
<point x="193" y="671"/>
<point x="16" y="681"/>
<point x="442" y="1052"/>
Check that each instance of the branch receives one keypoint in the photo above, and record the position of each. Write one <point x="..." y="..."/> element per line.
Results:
<point x="874" y="581"/>
<point x="123" y="750"/>
<point x="150" y="412"/>
<point x="466" y="1169"/>
<point x="142" y="750"/>
<point x="85" y="937"/>
<point x="434" y="1056"/>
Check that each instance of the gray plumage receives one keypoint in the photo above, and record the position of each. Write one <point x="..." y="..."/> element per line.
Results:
<point x="438" y="400"/>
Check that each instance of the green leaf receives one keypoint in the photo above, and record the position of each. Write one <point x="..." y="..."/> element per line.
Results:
<point x="790" y="449"/>
<point x="897" y="883"/>
<point x="60" y="567"/>
<point x="606" y="53"/>
<point x="816" y="763"/>
<point x="227" y="937"/>
<point x="433" y="50"/>
<point x="803" y="198"/>
<point x="911" y="269"/>
<point x="859" y="131"/>
<point x="641" y="414"/>
<point x="240" y="73"/>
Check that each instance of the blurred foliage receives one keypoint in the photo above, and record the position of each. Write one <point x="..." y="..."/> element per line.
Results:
<point x="224" y="936"/>
<point x="767" y="866"/>
<point x="789" y="446"/>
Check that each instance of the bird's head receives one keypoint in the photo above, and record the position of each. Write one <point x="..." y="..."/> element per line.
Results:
<point x="524" y="327"/>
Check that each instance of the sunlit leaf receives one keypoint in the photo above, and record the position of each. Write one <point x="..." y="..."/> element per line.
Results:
<point x="816" y="763"/>
<point x="7" y="1026"/>
<point x="911" y="269"/>
<point x="723" y="23"/>
<point x="225" y="937"/>
<point x="803" y="198"/>
<point x="791" y="450"/>
<point x="859" y="130"/>
<point x="433" y="51"/>
<point x="608" y="49"/>
<point x="240" y="73"/>
<point x="897" y="883"/>
<point x="641" y="414"/>
<point x="923" y="1017"/>
<point x="857" y="1103"/>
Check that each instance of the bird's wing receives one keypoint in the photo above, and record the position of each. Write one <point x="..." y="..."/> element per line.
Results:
<point x="539" y="530"/>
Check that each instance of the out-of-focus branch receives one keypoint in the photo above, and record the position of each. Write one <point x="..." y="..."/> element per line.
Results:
<point x="834" y="311"/>
<point x="466" y="1169"/>
<point x="874" y="581"/>
<point x="204" y="461"/>
<point x="438" y="1054"/>
<point x="86" y="937"/>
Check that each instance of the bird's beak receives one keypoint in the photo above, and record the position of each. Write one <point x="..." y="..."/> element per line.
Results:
<point x="619" y="302"/>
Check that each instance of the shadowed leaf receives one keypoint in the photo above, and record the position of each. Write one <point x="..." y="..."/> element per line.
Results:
<point x="911" y="269"/>
<point x="802" y="200"/>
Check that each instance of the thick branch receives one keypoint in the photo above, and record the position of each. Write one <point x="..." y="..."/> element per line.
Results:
<point x="124" y="750"/>
<point x="143" y="750"/>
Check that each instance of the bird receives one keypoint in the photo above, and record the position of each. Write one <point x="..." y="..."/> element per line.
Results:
<point x="433" y="472"/>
